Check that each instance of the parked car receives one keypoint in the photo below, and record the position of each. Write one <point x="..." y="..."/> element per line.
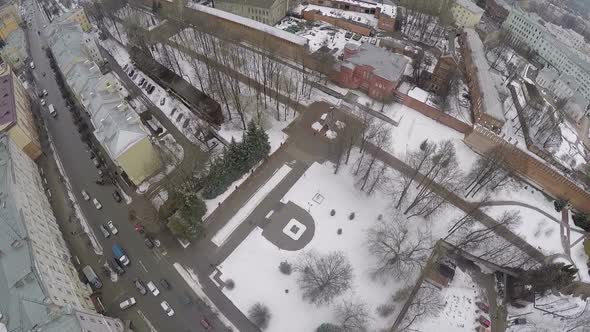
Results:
<point x="117" y="196"/>
<point x="85" y="195"/>
<point x="140" y="286"/>
<point x="348" y="35"/>
<point x="373" y="41"/>
<point x="167" y="309"/>
<point x="356" y="37"/>
<point x="147" y="85"/>
<point x="164" y="283"/>
<point x="482" y="306"/>
<point x="126" y="66"/>
<point x="97" y="204"/>
<point x="112" y="227"/>
<point x="135" y="76"/>
<point x="141" y="81"/>
<point x="205" y="324"/>
<point x="151" y="89"/>
<point x="152" y="287"/>
<point x="519" y="321"/>
<point x="131" y="73"/>
<point x="45" y="92"/>
<point x="162" y="101"/>
<point x="42" y="102"/>
<point x="104" y="231"/>
<point x="148" y="242"/>
<point x="127" y="303"/>
<point x="484" y="321"/>
<point x="116" y="267"/>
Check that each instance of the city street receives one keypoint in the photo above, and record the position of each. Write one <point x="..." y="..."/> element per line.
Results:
<point x="146" y="264"/>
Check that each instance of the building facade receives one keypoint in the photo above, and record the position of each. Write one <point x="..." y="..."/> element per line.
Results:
<point x="486" y="106"/>
<point x="77" y="320"/>
<point x="559" y="85"/>
<point x="32" y="246"/>
<point x="9" y="19"/>
<point x="439" y="80"/>
<point x="117" y="127"/>
<point x="525" y="28"/>
<point x="265" y="11"/>
<point x="386" y="14"/>
<point x="466" y="13"/>
<point x="16" y="118"/>
<point x="371" y="69"/>
<point x="78" y="17"/>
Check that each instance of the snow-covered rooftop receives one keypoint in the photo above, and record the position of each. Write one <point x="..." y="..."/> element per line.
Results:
<point x="492" y="104"/>
<point x="388" y="65"/>
<point x="470" y="5"/>
<point x="250" y="23"/>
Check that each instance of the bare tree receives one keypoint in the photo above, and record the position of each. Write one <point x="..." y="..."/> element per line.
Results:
<point x="353" y="316"/>
<point x="323" y="277"/>
<point x="415" y="160"/>
<point x="427" y="302"/>
<point x="487" y="173"/>
<point x="260" y="315"/>
<point x="400" y="251"/>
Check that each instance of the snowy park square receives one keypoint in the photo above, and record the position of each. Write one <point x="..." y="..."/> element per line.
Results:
<point x="254" y="265"/>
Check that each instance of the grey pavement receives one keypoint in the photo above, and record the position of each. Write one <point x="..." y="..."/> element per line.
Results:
<point x="282" y="215"/>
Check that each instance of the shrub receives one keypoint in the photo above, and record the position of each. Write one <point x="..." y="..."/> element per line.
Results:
<point x="285" y="268"/>
<point x="259" y="315"/>
<point x="339" y="231"/>
<point x="230" y="284"/>
<point x="385" y="310"/>
<point x="351" y="216"/>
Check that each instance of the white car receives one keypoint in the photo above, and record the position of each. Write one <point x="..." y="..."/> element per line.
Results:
<point x="112" y="227"/>
<point x="127" y="303"/>
<point x="153" y="288"/>
<point x="42" y="102"/>
<point x="85" y="195"/>
<point x="97" y="204"/>
<point x="45" y="92"/>
<point x="167" y="309"/>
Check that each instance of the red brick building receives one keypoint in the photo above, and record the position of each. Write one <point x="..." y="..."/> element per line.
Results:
<point x="371" y="69"/>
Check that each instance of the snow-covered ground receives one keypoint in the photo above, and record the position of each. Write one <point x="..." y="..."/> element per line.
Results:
<point x="319" y="34"/>
<point x="459" y="312"/>
<point x="253" y="266"/>
<point x="540" y="321"/>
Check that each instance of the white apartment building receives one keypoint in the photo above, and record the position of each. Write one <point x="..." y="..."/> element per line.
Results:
<point x="525" y="28"/>
<point x="559" y="85"/>
<point x="37" y="278"/>
<point x="466" y="13"/>
<point x="69" y="319"/>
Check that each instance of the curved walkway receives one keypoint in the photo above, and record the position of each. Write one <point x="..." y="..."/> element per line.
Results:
<point x="503" y="203"/>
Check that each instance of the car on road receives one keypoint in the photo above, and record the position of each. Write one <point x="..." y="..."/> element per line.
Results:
<point x="45" y="92"/>
<point x="484" y="321"/>
<point x="152" y="287"/>
<point x="162" y="101"/>
<point x="140" y="286"/>
<point x="104" y="231"/>
<point x="116" y="267"/>
<point x="92" y="278"/>
<point x="167" y="309"/>
<point x="97" y="204"/>
<point x="120" y="254"/>
<point x="42" y="102"/>
<point x="117" y="196"/>
<point x="205" y="324"/>
<point x="112" y="227"/>
<point x="127" y="303"/>
<point x="85" y="195"/>
<point x="164" y="283"/>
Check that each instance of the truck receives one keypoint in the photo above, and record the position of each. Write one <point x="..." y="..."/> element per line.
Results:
<point x="93" y="279"/>
<point x="52" y="110"/>
<point x="120" y="254"/>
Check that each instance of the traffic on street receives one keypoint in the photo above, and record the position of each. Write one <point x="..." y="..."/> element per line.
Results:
<point x="134" y="274"/>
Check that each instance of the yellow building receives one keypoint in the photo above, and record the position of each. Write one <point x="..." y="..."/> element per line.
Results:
<point x="79" y="17"/>
<point x="9" y="20"/>
<point x="466" y="13"/>
<point x="15" y="113"/>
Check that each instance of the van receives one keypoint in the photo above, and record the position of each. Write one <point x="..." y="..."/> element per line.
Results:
<point x="92" y="277"/>
<point x="52" y="110"/>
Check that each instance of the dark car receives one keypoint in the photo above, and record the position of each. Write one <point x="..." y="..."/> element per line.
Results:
<point x="148" y="242"/>
<point x="151" y="89"/>
<point x="117" y="196"/>
<point x="519" y="321"/>
<point x="131" y="72"/>
<point x="484" y="321"/>
<point x="140" y="286"/>
<point x="186" y="299"/>
<point x="164" y="283"/>
<point x="116" y="267"/>
<point x="483" y="307"/>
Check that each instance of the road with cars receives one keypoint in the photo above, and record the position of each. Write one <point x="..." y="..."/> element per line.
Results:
<point x="148" y="263"/>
